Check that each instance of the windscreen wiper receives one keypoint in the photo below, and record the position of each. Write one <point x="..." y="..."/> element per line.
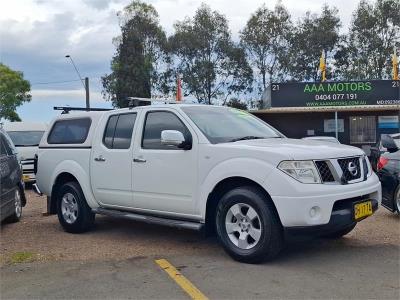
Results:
<point x="248" y="137"/>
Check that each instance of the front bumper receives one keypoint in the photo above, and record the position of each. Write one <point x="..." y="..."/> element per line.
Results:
<point x="313" y="204"/>
<point x="341" y="218"/>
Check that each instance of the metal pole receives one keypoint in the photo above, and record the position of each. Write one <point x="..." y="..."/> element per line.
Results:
<point x="336" y="126"/>
<point x="87" y="92"/>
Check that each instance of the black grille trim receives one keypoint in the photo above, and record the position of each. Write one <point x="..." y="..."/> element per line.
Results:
<point x="324" y="171"/>
<point x="344" y="165"/>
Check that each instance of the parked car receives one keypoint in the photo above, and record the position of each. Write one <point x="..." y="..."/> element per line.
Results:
<point x="379" y="149"/>
<point x="26" y="137"/>
<point x="12" y="196"/>
<point x="330" y="139"/>
<point x="204" y="168"/>
<point x="389" y="172"/>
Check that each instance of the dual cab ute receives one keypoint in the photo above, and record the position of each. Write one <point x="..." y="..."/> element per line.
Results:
<point x="203" y="167"/>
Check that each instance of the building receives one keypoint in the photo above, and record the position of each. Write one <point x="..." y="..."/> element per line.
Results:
<point x="357" y="112"/>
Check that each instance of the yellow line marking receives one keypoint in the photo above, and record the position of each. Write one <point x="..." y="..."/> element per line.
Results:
<point x="181" y="280"/>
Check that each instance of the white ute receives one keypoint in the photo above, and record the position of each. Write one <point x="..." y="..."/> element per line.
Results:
<point x="26" y="137"/>
<point x="203" y="167"/>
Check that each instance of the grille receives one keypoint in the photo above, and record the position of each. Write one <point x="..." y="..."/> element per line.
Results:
<point x="324" y="171"/>
<point x="27" y="166"/>
<point x="346" y="164"/>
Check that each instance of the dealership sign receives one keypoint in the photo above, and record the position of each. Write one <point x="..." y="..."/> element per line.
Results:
<point x="339" y="93"/>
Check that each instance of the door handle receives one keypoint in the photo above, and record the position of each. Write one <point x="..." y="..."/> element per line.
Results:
<point x="100" y="158"/>
<point x="139" y="160"/>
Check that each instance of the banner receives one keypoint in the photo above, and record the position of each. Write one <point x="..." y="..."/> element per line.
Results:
<point x="339" y="93"/>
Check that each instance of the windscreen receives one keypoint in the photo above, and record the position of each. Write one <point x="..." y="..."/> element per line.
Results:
<point x="25" y="138"/>
<point x="223" y="124"/>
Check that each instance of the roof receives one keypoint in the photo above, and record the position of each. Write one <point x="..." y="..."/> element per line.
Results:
<point x="24" y="126"/>
<point x="326" y="109"/>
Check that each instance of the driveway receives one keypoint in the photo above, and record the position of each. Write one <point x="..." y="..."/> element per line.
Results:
<point x="118" y="259"/>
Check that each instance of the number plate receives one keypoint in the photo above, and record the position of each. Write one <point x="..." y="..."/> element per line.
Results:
<point x="362" y="210"/>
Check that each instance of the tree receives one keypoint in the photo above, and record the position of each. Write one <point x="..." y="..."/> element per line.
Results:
<point x="14" y="91"/>
<point x="236" y="103"/>
<point x="312" y="35"/>
<point x="265" y="40"/>
<point x="213" y="67"/>
<point x="365" y="52"/>
<point x="140" y="48"/>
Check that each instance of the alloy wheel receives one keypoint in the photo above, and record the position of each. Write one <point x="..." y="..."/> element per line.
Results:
<point x="243" y="226"/>
<point x="69" y="208"/>
<point x="18" y="204"/>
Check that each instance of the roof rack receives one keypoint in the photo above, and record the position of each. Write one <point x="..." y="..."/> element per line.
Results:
<point x="138" y="101"/>
<point x="67" y="109"/>
<point x="133" y="102"/>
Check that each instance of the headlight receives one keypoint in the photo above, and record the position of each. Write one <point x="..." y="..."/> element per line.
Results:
<point x="368" y="166"/>
<point x="301" y="170"/>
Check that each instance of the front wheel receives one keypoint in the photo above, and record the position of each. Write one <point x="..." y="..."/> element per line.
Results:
<point x="17" y="214"/>
<point x="248" y="226"/>
<point x="74" y="214"/>
<point x="396" y="199"/>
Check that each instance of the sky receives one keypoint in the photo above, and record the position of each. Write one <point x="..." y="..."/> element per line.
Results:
<point x="35" y="36"/>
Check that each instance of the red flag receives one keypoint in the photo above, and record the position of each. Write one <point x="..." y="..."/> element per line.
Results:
<point x="178" y="88"/>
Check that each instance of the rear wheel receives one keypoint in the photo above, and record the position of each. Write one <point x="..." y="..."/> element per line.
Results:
<point x="17" y="214"/>
<point x="340" y="233"/>
<point x="73" y="212"/>
<point x="248" y="226"/>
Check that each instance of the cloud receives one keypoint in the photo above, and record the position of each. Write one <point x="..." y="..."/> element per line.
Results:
<point x="98" y="4"/>
<point x="67" y="95"/>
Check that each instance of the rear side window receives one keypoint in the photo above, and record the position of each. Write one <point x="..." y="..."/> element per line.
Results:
<point x="74" y="131"/>
<point x="118" y="132"/>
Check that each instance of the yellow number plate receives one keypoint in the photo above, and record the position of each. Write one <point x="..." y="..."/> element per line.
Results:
<point x="25" y="177"/>
<point x="363" y="209"/>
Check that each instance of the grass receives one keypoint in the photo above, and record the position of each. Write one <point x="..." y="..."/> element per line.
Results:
<point x="22" y="257"/>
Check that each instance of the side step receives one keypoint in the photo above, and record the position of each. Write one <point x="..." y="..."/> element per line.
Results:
<point x="149" y="219"/>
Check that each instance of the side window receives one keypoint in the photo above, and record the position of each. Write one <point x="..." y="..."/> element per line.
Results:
<point x="72" y="131"/>
<point x="155" y="123"/>
<point x="3" y="146"/>
<point x="8" y="145"/>
<point x="118" y="132"/>
<point x="109" y="131"/>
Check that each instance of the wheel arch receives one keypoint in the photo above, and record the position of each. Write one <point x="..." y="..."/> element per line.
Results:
<point x="71" y="171"/>
<point x="222" y="187"/>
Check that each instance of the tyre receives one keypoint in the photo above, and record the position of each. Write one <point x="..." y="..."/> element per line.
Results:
<point x="396" y="200"/>
<point x="340" y="233"/>
<point x="17" y="214"/>
<point x="74" y="214"/>
<point x="248" y="226"/>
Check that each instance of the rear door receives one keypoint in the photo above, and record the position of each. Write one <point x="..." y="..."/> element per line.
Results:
<point x="111" y="161"/>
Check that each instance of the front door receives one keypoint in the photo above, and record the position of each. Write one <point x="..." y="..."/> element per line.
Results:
<point x="165" y="177"/>
<point x="111" y="162"/>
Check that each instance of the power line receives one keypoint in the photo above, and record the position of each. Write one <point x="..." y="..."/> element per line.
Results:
<point x="54" y="82"/>
<point x="64" y="81"/>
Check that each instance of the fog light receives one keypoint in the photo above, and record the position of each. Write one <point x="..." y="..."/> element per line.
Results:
<point x="314" y="212"/>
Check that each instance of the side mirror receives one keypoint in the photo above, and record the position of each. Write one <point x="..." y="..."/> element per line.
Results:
<point x="389" y="144"/>
<point x="174" y="138"/>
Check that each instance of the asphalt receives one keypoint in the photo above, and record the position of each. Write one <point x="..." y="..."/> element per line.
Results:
<point x="363" y="265"/>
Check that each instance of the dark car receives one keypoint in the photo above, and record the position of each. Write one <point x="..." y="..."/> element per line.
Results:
<point x="388" y="170"/>
<point x="12" y="196"/>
